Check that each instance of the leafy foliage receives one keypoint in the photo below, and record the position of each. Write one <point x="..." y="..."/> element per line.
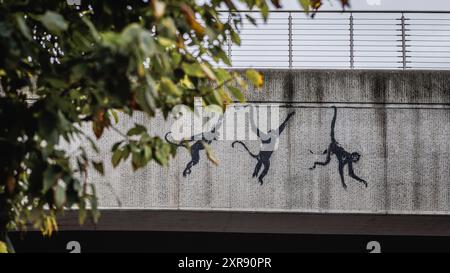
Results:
<point x="63" y="66"/>
<point x="3" y="248"/>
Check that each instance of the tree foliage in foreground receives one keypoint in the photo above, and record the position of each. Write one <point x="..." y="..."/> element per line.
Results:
<point x="63" y="66"/>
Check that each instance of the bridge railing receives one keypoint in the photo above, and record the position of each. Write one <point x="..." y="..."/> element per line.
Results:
<point x="345" y="40"/>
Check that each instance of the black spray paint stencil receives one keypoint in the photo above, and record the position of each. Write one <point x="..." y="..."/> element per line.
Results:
<point x="198" y="146"/>
<point x="344" y="157"/>
<point x="268" y="142"/>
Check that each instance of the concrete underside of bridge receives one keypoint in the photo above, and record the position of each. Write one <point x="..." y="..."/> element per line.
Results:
<point x="397" y="121"/>
<point x="260" y="222"/>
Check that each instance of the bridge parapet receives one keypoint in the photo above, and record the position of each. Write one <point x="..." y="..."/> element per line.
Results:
<point x="398" y="123"/>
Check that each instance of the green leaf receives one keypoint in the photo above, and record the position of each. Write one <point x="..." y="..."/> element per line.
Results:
<point x="3" y="248"/>
<point x="114" y="115"/>
<point x="147" y="153"/>
<point x="50" y="178"/>
<point x="264" y="10"/>
<point x="136" y="130"/>
<point x="187" y="83"/>
<point x="221" y="55"/>
<point x="54" y="22"/>
<point x="170" y="26"/>
<point x="210" y="154"/>
<point x="98" y="166"/>
<point x="91" y="27"/>
<point x="93" y="145"/>
<point x="168" y="86"/>
<point x="255" y="77"/>
<point x="95" y="213"/>
<point x="166" y="42"/>
<point x="81" y="211"/>
<point x="116" y="146"/>
<point x="162" y="152"/>
<point x="235" y="38"/>
<point x="23" y="26"/>
<point x="237" y="93"/>
<point x="176" y="58"/>
<point x="145" y="99"/>
<point x="194" y="70"/>
<point x="117" y="156"/>
<point x="208" y="72"/>
<point x="147" y="43"/>
<point x="126" y="152"/>
<point x="215" y="97"/>
<point x="60" y="196"/>
<point x="136" y="160"/>
<point x="222" y="75"/>
<point x="240" y="81"/>
<point x="55" y="82"/>
<point x="305" y="4"/>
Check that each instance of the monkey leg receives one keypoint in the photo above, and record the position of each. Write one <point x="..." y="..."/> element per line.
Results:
<point x="341" y="173"/>
<point x="194" y="161"/>
<point x="187" y="171"/>
<point x="264" y="172"/>
<point x="257" y="168"/>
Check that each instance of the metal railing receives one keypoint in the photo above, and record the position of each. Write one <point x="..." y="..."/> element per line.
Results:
<point x="345" y="40"/>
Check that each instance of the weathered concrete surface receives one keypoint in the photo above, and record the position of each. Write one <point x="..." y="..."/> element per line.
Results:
<point x="251" y="222"/>
<point x="362" y="86"/>
<point x="398" y="121"/>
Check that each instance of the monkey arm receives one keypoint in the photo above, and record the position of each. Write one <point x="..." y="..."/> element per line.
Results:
<point x="218" y="124"/>
<point x="253" y="125"/>
<point x="352" y="174"/>
<point x="283" y="125"/>
<point x="328" y="158"/>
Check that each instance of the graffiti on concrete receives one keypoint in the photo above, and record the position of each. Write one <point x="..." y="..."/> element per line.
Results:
<point x="343" y="157"/>
<point x="198" y="146"/>
<point x="269" y="143"/>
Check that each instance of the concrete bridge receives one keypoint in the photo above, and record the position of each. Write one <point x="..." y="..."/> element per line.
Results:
<point x="397" y="121"/>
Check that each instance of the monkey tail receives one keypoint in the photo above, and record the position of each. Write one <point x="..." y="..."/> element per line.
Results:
<point x="245" y="147"/>
<point x="166" y="137"/>
<point x="333" y="124"/>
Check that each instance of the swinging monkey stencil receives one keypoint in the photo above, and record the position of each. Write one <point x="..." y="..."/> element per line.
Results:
<point x="198" y="146"/>
<point x="269" y="143"/>
<point x="343" y="157"/>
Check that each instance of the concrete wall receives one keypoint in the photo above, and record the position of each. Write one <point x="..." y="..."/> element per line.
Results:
<point x="398" y="121"/>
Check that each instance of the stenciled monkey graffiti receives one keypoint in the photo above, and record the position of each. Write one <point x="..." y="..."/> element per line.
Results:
<point x="269" y="143"/>
<point x="268" y="140"/>
<point x="198" y="146"/>
<point x="343" y="157"/>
